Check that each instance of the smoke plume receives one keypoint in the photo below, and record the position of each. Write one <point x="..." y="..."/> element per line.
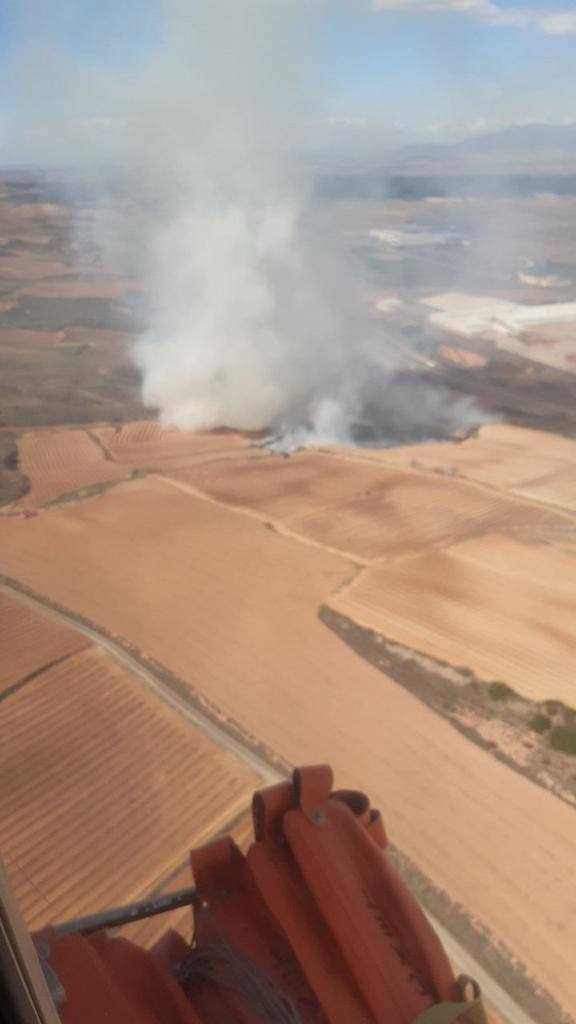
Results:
<point x="254" y="319"/>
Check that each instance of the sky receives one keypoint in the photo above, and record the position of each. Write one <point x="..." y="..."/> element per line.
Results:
<point x="429" y="69"/>
<point x="441" y="67"/>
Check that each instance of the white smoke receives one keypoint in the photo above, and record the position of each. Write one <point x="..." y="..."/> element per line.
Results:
<point x="249" y="314"/>
<point x="254" y="321"/>
<point x="241" y="324"/>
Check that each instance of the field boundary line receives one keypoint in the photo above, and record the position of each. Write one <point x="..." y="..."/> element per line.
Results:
<point x="130" y="659"/>
<point x="269" y="772"/>
<point x="278" y="526"/>
<point x="482" y="485"/>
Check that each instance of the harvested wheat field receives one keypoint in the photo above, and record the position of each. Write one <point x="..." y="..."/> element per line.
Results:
<point x="231" y="607"/>
<point x="504" y="609"/>
<point x="282" y="487"/>
<point x="147" y="445"/>
<point x="488" y="462"/>
<point x="501" y="456"/>
<point x="362" y="508"/>
<point x="78" y="288"/>
<point x="104" y="789"/>
<point x="106" y="341"/>
<point x="29" y="641"/>
<point x="59" y="462"/>
<point x="540" y="441"/>
<point x="22" y="267"/>
<point x="18" y="341"/>
<point x="557" y="487"/>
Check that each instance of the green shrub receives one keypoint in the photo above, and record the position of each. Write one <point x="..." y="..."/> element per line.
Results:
<point x="539" y="723"/>
<point x="500" y="691"/>
<point x="563" y="738"/>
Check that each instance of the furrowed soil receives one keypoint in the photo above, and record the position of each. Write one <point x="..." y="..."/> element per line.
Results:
<point x="230" y="606"/>
<point x="406" y="614"/>
<point x="105" y="787"/>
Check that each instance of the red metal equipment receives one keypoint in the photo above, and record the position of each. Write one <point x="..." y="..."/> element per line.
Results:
<point x="312" y="926"/>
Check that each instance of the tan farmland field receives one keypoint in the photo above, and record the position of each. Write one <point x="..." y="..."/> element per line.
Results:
<point x="231" y="607"/>
<point x="62" y="461"/>
<point x="18" y="340"/>
<point x="483" y="604"/>
<point x="501" y="456"/>
<point x="487" y="462"/>
<point x="363" y="508"/>
<point x="24" y="267"/>
<point x="29" y="640"/>
<point x="74" y="288"/>
<point x="77" y="735"/>
<point x="147" y="445"/>
<point x="183" y="616"/>
<point x="557" y="487"/>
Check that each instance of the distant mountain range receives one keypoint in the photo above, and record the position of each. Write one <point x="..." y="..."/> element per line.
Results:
<point x="521" y="160"/>
<point x="526" y="151"/>
<point x="520" y="148"/>
<point x="522" y="136"/>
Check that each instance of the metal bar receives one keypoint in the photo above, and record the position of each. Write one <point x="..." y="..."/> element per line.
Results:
<point x="126" y="915"/>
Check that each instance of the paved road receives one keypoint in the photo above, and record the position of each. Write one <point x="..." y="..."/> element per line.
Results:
<point x="463" y="961"/>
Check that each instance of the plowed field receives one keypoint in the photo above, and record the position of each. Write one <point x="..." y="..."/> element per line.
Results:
<point x="147" y="445"/>
<point x="231" y="607"/>
<point x="104" y="789"/>
<point x="29" y="640"/>
<point x="62" y="461"/>
<point x="504" y="609"/>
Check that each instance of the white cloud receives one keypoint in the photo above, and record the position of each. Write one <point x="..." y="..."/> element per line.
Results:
<point x="557" y="22"/>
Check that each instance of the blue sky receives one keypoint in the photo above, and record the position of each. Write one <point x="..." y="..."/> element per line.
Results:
<point x="440" y="69"/>
<point x="432" y="67"/>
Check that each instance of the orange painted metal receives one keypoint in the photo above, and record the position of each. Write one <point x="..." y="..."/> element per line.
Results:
<point x="314" y="907"/>
<point x="112" y="980"/>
